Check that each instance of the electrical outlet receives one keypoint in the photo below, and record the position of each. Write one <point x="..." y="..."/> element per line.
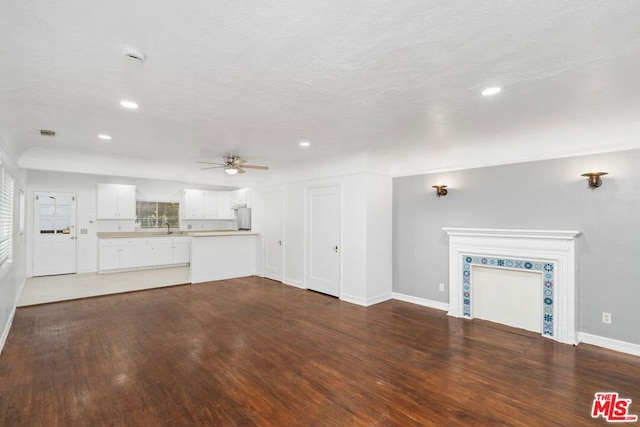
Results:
<point x="441" y="287"/>
<point x="606" y="318"/>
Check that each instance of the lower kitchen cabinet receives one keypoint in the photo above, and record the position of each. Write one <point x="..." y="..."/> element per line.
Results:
<point x="181" y="250"/>
<point x="155" y="251"/>
<point x="117" y="254"/>
<point x="147" y="252"/>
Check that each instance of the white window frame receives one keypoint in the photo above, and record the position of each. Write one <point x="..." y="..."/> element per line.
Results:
<point x="7" y="184"/>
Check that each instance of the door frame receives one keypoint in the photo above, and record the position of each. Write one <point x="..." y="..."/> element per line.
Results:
<point x="264" y="196"/>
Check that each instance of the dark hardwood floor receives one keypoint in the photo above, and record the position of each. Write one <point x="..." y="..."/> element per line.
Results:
<point x="255" y="352"/>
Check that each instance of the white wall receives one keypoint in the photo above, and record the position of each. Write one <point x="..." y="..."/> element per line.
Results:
<point x="12" y="275"/>
<point x="379" y="236"/>
<point x="366" y="224"/>
<point x="294" y="212"/>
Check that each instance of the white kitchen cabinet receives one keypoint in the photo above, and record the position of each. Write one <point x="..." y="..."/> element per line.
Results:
<point x="118" y="254"/>
<point x="109" y="257"/>
<point x="143" y="252"/>
<point x="224" y="205"/>
<point x="211" y="205"/>
<point x="240" y="197"/>
<point x="115" y="201"/>
<point x="192" y="204"/>
<point x="156" y="251"/>
<point x="181" y="250"/>
<point x="208" y="205"/>
<point x="164" y="251"/>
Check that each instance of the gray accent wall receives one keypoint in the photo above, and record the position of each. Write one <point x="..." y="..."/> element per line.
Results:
<point x="546" y="195"/>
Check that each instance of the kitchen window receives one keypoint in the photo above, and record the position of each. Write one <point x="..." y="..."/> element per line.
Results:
<point x="157" y="214"/>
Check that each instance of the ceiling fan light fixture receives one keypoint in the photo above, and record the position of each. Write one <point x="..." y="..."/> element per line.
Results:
<point x="231" y="170"/>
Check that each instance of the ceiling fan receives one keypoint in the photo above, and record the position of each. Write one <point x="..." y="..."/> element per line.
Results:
<point x="233" y="165"/>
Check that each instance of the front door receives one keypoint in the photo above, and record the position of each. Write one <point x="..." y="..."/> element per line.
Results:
<point x="273" y="245"/>
<point x="54" y="228"/>
<point x="323" y="256"/>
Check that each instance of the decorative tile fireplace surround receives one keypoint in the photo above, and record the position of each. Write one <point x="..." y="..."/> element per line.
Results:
<point x="549" y="252"/>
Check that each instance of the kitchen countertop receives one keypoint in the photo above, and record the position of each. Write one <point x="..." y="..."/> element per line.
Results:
<point x="192" y="233"/>
<point x="223" y="233"/>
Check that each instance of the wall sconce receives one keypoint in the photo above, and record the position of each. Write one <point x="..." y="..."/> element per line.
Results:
<point x="594" y="178"/>
<point x="441" y="190"/>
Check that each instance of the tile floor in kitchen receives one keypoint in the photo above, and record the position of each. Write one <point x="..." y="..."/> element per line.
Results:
<point x="46" y="289"/>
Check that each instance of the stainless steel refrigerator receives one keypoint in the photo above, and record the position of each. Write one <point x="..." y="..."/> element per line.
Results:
<point x="243" y="216"/>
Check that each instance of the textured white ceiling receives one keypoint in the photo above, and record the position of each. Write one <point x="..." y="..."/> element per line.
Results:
<point x="396" y="83"/>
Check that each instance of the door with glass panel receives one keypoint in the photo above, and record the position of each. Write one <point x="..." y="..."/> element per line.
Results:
<point x="54" y="248"/>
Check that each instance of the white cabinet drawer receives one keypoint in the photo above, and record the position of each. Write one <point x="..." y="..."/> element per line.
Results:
<point x="109" y="242"/>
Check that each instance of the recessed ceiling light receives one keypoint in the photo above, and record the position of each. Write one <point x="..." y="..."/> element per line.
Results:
<point x="129" y="104"/>
<point x="105" y="137"/>
<point x="304" y="144"/>
<point x="492" y="91"/>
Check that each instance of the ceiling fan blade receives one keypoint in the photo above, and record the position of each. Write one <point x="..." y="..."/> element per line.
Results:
<point x="240" y="161"/>
<point x="262" y="168"/>
<point x="210" y="163"/>
<point x="212" y="167"/>
<point x="240" y="170"/>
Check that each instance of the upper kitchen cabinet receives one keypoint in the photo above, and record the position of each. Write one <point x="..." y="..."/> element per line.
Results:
<point x="211" y="205"/>
<point x="224" y="205"/>
<point x="193" y="204"/>
<point x="240" y="197"/>
<point x="116" y="201"/>
<point x="203" y="204"/>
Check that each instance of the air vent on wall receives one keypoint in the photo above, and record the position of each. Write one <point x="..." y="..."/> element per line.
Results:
<point x="47" y="132"/>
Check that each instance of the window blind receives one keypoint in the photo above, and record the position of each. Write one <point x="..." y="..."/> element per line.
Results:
<point x="6" y="216"/>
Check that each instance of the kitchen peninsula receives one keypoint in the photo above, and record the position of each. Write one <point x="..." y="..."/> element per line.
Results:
<point x="212" y="255"/>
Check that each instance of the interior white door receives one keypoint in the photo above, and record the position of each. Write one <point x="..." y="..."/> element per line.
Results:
<point x="54" y="249"/>
<point x="272" y="235"/>
<point x="323" y="256"/>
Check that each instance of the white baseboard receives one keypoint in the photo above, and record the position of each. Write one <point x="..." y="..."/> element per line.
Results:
<point x="24" y="282"/>
<point x="421" y="301"/>
<point x="365" y="302"/>
<point x="608" y="343"/>
<point x="7" y="327"/>
<point x="293" y="283"/>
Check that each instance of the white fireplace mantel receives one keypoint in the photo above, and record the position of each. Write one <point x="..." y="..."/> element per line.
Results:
<point x="538" y="247"/>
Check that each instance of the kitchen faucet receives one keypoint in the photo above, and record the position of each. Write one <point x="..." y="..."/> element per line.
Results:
<point x="169" y="229"/>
